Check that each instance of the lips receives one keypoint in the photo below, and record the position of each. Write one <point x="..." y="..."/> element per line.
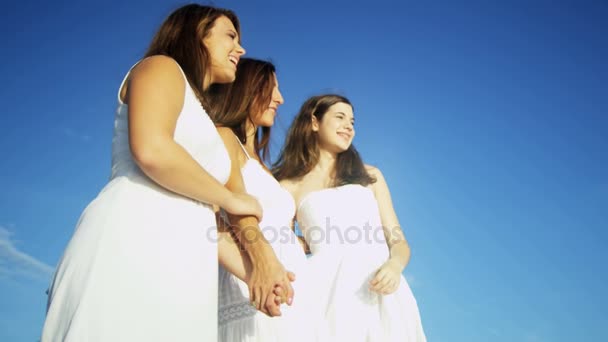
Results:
<point x="233" y="59"/>
<point x="346" y="136"/>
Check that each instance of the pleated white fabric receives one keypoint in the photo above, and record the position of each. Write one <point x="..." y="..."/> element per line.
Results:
<point x="344" y="231"/>
<point x="238" y="320"/>
<point x="142" y="263"/>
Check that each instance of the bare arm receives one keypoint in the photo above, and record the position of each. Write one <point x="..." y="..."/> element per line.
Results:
<point x="263" y="271"/>
<point x="398" y="246"/>
<point x="155" y="95"/>
<point x="388" y="277"/>
<point x="292" y="188"/>
<point x="231" y="256"/>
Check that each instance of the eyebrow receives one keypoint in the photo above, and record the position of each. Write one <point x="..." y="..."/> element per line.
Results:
<point x="353" y="117"/>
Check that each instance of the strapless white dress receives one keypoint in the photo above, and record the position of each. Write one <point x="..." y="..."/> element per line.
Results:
<point x="142" y="263"/>
<point x="238" y="320"/>
<point x="344" y="231"/>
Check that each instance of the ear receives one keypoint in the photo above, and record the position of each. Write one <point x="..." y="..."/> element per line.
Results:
<point x="315" y="124"/>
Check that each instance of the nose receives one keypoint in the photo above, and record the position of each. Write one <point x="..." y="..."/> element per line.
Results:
<point x="278" y="97"/>
<point x="349" y="126"/>
<point x="239" y="49"/>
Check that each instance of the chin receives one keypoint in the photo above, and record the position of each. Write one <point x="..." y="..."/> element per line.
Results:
<point x="227" y="78"/>
<point x="265" y="121"/>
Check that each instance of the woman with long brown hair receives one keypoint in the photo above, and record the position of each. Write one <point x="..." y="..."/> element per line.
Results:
<point x="142" y="263"/>
<point x="245" y="111"/>
<point x="346" y="215"/>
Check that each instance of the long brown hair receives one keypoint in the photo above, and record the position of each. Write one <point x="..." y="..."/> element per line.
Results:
<point x="300" y="153"/>
<point x="231" y="105"/>
<point x="181" y="36"/>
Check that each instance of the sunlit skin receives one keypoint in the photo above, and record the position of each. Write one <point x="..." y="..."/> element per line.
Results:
<point x="236" y="260"/>
<point x="264" y="119"/>
<point x="335" y="132"/>
<point x="225" y="50"/>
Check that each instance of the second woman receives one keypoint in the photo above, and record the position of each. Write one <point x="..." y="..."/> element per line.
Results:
<point x="245" y="112"/>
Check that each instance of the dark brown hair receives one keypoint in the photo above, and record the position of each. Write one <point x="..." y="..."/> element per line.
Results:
<point x="300" y="153"/>
<point x="181" y="37"/>
<point x="232" y="105"/>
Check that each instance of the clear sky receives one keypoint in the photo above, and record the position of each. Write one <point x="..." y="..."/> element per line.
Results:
<point x="489" y="120"/>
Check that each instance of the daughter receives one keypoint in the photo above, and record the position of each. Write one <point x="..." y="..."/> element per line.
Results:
<point x="345" y="212"/>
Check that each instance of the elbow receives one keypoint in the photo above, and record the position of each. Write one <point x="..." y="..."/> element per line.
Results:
<point x="148" y="156"/>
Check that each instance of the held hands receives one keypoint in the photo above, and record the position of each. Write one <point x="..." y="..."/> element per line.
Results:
<point x="242" y="204"/>
<point x="387" y="278"/>
<point x="278" y="297"/>
<point x="268" y="278"/>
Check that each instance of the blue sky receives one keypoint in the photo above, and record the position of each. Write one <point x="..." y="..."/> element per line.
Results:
<point x="489" y="120"/>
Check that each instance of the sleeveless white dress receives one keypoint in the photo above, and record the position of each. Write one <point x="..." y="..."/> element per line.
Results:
<point x="238" y="320"/>
<point x="343" y="228"/>
<point x="142" y="262"/>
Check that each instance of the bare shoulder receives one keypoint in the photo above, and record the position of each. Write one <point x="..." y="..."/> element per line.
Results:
<point x="159" y="66"/>
<point x="232" y="145"/>
<point x="154" y="79"/>
<point x="373" y="171"/>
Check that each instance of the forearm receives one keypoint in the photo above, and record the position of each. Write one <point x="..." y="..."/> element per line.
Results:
<point x="169" y="165"/>
<point x="251" y="240"/>
<point x="400" y="254"/>
<point x="232" y="257"/>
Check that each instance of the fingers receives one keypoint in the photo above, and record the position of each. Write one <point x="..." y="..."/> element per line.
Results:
<point x="279" y="293"/>
<point x="257" y="298"/>
<point x="289" y="293"/>
<point x="289" y="289"/>
<point x="386" y="286"/>
<point x="272" y="307"/>
<point x="378" y="280"/>
<point x="265" y="296"/>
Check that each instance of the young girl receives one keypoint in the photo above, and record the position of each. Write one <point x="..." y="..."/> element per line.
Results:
<point x="345" y="212"/>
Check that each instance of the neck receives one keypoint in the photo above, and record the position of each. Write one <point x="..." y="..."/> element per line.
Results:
<point x="326" y="164"/>
<point x="250" y="136"/>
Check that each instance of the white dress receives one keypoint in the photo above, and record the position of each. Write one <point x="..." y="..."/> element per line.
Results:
<point x="344" y="231"/>
<point x="238" y="320"/>
<point x="142" y="262"/>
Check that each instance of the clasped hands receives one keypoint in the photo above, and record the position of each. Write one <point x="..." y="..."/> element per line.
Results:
<point x="270" y="287"/>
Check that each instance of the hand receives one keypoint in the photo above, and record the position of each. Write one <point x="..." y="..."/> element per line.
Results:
<point x="387" y="279"/>
<point x="280" y="294"/>
<point x="266" y="275"/>
<point x="274" y="301"/>
<point x="243" y="204"/>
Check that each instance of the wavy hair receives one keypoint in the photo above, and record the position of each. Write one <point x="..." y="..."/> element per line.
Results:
<point x="300" y="153"/>
<point x="232" y="105"/>
<point x="180" y="37"/>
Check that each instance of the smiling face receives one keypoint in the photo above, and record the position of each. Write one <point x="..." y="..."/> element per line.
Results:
<point x="336" y="128"/>
<point x="224" y="48"/>
<point x="266" y="118"/>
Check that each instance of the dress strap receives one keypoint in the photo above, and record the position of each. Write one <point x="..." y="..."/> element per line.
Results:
<point x="243" y="147"/>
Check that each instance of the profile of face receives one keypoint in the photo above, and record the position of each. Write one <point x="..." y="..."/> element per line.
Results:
<point x="222" y="43"/>
<point x="266" y="118"/>
<point x="335" y="130"/>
